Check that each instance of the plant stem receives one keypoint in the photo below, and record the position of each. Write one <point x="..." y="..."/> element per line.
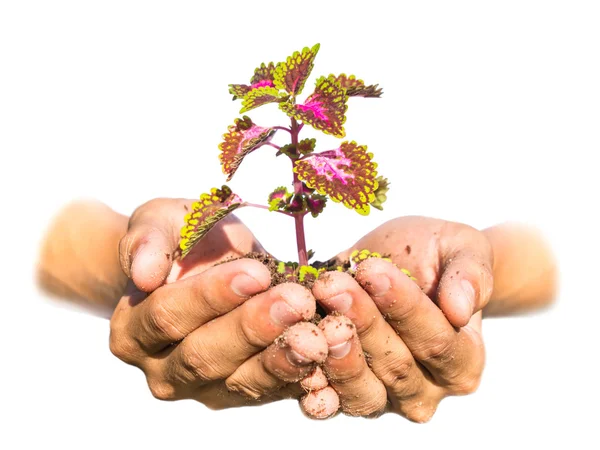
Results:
<point x="299" y="217"/>
<point x="270" y="144"/>
<point x="256" y="205"/>
<point x="283" y="129"/>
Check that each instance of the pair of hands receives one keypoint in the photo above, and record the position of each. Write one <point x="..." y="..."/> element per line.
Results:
<point x="220" y="335"/>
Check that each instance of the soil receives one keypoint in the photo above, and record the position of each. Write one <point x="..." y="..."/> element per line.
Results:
<point x="279" y="278"/>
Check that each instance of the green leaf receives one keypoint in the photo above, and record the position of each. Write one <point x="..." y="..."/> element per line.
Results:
<point x="357" y="88"/>
<point x="346" y="174"/>
<point x="380" y="193"/>
<point x="324" y="109"/>
<point x="292" y="74"/>
<point x="205" y="214"/>
<point x="241" y="138"/>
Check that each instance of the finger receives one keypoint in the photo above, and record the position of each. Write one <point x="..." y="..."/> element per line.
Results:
<point x="315" y="380"/>
<point x="450" y="355"/>
<point x="146" y="251"/>
<point x="320" y="404"/>
<point x="361" y="392"/>
<point x="215" y="350"/>
<point x="287" y="360"/>
<point x="466" y="282"/>
<point x="216" y="396"/>
<point x="175" y="310"/>
<point x="390" y="359"/>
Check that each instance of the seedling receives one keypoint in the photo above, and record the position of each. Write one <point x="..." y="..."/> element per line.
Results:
<point x="346" y="174"/>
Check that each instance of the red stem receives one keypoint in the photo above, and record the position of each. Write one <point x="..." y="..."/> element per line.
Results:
<point x="299" y="217"/>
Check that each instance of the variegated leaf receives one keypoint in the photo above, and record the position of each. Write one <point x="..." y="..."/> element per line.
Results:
<point x="292" y="74"/>
<point x="279" y="198"/>
<point x="324" y="109"/>
<point x="346" y="174"/>
<point x="307" y="146"/>
<point x="260" y="96"/>
<point x="380" y="192"/>
<point x="239" y="90"/>
<point x="205" y="214"/>
<point x="241" y="138"/>
<point x="316" y="204"/>
<point x="357" y="88"/>
<point x="264" y="75"/>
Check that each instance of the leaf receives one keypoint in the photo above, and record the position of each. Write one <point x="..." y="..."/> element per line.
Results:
<point x="346" y="174"/>
<point x="380" y="193"/>
<point x="307" y="146"/>
<point x="261" y="96"/>
<point x="278" y="198"/>
<point x="292" y="74"/>
<point x="205" y="214"/>
<point x="316" y="204"/>
<point x="242" y="138"/>
<point x="356" y="88"/>
<point x="263" y="73"/>
<point x="263" y="76"/>
<point x="239" y="90"/>
<point x="324" y="109"/>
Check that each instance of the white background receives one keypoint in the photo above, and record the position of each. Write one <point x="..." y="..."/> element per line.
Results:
<point x="491" y="112"/>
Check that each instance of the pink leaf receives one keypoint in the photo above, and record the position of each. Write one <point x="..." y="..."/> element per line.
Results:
<point x="324" y="109"/>
<point x="346" y="174"/>
<point x="242" y="138"/>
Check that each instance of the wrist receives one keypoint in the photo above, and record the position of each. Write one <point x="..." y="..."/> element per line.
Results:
<point x="79" y="256"/>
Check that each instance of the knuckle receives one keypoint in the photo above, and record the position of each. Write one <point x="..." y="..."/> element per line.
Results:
<point x="438" y="348"/>
<point x="397" y="375"/>
<point x="162" y="390"/>
<point x="418" y="412"/>
<point x="120" y="345"/>
<point x="466" y="386"/>
<point x="162" y="321"/>
<point x="195" y="362"/>
<point x="250" y="334"/>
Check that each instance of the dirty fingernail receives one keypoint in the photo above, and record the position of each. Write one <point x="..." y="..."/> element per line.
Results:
<point x="244" y="285"/>
<point x="340" y="303"/>
<point x="378" y="285"/>
<point x="340" y="350"/>
<point x="283" y="314"/>
<point x="468" y="295"/>
<point x="296" y="359"/>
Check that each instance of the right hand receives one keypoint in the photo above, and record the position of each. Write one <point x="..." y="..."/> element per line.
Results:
<point x="210" y="332"/>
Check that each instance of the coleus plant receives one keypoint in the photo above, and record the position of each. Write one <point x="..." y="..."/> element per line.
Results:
<point x="346" y="174"/>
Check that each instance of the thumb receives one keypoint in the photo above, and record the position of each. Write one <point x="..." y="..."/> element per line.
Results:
<point x="146" y="251"/>
<point x="466" y="282"/>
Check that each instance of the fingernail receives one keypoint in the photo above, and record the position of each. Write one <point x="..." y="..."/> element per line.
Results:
<point x="378" y="285"/>
<point x="244" y="285"/>
<point x="284" y="314"/>
<point x="340" y="303"/>
<point x="469" y="294"/>
<point x="340" y="350"/>
<point x="296" y="359"/>
<point x="138" y="251"/>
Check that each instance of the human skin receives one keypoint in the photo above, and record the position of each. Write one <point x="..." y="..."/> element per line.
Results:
<point x="413" y="358"/>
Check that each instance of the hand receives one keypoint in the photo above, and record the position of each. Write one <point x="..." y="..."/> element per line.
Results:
<point x="210" y="333"/>
<point x="393" y="342"/>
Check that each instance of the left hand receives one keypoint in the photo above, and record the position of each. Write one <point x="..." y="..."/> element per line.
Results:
<point x="393" y="342"/>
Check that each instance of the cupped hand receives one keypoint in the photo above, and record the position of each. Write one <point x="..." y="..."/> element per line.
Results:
<point x="214" y="333"/>
<point x="394" y="344"/>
